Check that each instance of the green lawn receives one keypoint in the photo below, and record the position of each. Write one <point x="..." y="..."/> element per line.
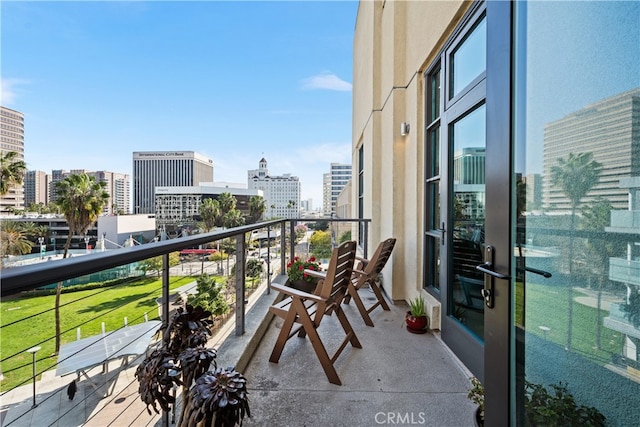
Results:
<point x="85" y="309"/>
<point x="548" y="306"/>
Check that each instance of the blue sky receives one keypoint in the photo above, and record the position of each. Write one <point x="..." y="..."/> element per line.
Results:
<point x="235" y="81"/>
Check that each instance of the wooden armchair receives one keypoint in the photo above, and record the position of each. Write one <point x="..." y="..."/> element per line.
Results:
<point x="308" y="310"/>
<point x="366" y="272"/>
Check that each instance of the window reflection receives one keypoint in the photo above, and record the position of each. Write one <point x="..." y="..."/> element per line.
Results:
<point x="577" y="126"/>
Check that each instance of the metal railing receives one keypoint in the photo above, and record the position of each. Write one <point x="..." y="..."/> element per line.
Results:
<point x="30" y="277"/>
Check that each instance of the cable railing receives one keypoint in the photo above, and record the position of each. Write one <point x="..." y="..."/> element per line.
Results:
<point x="106" y="308"/>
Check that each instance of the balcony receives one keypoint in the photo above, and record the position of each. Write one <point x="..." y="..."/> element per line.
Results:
<point x="397" y="378"/>
<point x="624" y="271"/>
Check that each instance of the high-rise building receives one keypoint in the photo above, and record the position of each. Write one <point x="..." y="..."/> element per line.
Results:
<point x="281" y="193"/>
<point x="35" y="187"/>
<point x="117" y="185"/>
<point x="12" y="139"/>
<point x="589" y="130"/>
<point x="56" y="175"/>
<point x="153" y="169"/>
<point x="333" y="183"/>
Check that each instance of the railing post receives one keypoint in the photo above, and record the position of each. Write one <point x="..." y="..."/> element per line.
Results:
<point x="165" y="312"/>
<point x="269" y="260"/>
<point x="165" y="288"/>
<point x="366" y="239"/>
<point x="292" y="238"/>
<point x="240" y="283"/>
<point x="283" y="248"/>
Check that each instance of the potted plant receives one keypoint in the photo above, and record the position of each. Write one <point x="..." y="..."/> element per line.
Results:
<point x="476" y="395"/>
<point x="416" y="318"/>
<point x="300" y="280"/>
<point x="543" y="407"/>
<point x="210" y="396"/>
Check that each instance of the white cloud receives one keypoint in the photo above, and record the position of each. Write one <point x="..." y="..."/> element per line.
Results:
<point x="326" y="80"/>
<point x="9" y="91"/>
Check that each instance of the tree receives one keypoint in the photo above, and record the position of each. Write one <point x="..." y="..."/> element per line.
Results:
<point x="81" y="200"/>
<point x="233" y="218"/>
<point x="13" y="239"/>
<point x="257" y="207"/>
<point x="12" y="171"/>
<point x="155" y="263"/>
<point x="595" y="217"/>
<point x="209" y="212"/>
<point x="254" y="269"/>
<point x="576" y="176"/>
<point x="210" y="296"/>
<point x="320" y="243"/>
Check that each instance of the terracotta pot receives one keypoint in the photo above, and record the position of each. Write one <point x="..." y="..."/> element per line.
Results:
<point x="303" y="285"/>
<point x="417" y="325"/>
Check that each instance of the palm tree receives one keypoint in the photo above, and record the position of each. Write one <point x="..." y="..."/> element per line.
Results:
<point x="257" y="207"/>
<point x="13" y="239"/>
<point x="576" y="176"/>
<point x="233" y="218"/>
<point x="12" y="171"/>
<point x="209" y="212"/>
<point x="81" y="199"/>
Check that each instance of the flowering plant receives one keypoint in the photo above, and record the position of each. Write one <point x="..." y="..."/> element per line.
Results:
<point x="295" y="269"/>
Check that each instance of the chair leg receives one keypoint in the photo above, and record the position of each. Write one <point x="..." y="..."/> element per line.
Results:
<point x="381" y="300"/>
<point x="316" y="342"/>
<point x="353" y="293"/>
<point x="348" y="329"/>
<point x="283" y="336"/>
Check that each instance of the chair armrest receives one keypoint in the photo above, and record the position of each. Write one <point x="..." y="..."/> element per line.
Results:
<point x="287" y="290"/>
<point x="360" y="272"/>
<point x="314" y="273"/>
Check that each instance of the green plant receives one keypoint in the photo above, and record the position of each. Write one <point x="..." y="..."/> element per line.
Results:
<point x="296" y="268"/>
<point x="476" y="395"/>
<point x="416" y="307"/>
<point x="544" y="408"/>
<point x="218" y="398"/>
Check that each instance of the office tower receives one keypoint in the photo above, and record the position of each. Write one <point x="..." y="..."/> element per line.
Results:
<point x="332" y="184"/>
<point x="12" y="126"/>
<point x="610" y="130"/>
<point x="35" y="187"/>
<point x="281" y="193"/>
<point x="153" y="169"/>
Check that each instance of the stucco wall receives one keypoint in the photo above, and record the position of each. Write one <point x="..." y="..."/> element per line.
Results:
<point x="394" y="43"/>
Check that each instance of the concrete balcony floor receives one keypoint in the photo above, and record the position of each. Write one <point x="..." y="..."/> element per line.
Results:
<point x="397" y="378"/>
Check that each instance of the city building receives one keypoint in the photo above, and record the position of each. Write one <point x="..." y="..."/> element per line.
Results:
<point x="281" y="193"/>
<point x="117" y="185"/>
<point x="178" y="208"/>
<point x="589" y="130"/>
<point x="12" y="139"/>
<point x="332" y="184"/>
<point x="125" y="230"/>
<point x="509" y="287"/>
<point x="153" y="169"/>
<point x="35" y="187"/>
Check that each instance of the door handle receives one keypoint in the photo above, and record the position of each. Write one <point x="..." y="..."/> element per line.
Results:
<point x="487" y="268"/>
<point x="442" y="230"/>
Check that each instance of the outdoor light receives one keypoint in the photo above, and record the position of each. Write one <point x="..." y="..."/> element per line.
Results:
<point x="33" y="351"/>
<point x="404" y="128"/>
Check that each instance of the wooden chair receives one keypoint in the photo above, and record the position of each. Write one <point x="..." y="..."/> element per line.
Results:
<point x="366" y="272"/>
<point x="308" y="310"/>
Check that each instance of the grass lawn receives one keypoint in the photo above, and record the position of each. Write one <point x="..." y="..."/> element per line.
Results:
<point x="548" y="306"/>
<point x="84" y="309"/>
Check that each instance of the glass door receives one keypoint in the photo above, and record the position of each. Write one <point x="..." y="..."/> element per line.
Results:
<point x="576" y="249"/>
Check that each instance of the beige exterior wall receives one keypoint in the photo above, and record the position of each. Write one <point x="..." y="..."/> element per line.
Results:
<point x="394" y="43"/>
